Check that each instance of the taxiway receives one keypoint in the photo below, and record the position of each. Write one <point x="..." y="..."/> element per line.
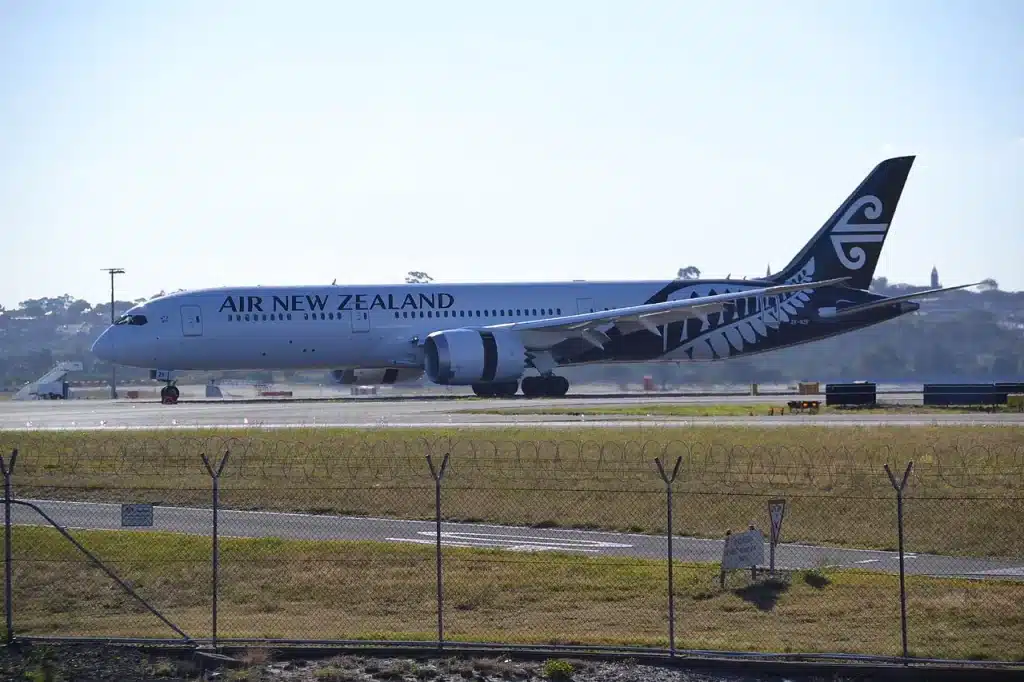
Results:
<point x="247" y="524"/>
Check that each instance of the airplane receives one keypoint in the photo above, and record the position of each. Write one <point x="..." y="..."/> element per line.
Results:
<point x="499" y="338"/>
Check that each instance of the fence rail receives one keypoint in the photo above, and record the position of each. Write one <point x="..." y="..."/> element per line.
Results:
<point x="517" y="542"/>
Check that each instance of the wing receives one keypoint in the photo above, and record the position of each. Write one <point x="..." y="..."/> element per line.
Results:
<point x="882" y="302"/>
<point x="649" y="315"/>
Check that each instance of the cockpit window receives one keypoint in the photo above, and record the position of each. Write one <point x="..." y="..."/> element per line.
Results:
<point x="135" y="320"/>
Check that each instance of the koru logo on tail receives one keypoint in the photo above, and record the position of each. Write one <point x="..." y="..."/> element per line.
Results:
<point x="847" y="232"/>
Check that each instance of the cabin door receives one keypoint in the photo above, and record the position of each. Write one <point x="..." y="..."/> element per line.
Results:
<point x="360" y="321"/>
<point x="584" y="305"/>
<point x="191" y="320"/>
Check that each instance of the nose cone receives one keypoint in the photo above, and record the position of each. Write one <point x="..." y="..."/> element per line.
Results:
<point x="104" y="347"/>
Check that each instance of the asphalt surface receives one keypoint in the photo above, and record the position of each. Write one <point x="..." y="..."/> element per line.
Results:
<point x="366" y="412"/>
<point x="105" y="516"/>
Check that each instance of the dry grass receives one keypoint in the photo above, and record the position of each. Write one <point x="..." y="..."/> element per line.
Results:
<point x="727" y="410"/>
<point x="338" y="590"/>
<point x="963" y="495"/>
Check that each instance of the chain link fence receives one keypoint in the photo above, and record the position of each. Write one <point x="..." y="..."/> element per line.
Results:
<point x="518" y="539"/>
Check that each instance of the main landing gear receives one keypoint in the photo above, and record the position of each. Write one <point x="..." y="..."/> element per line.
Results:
<point x="548" y="386"/>
<point x="169" y="394"/>
<point x="545" y="386"/>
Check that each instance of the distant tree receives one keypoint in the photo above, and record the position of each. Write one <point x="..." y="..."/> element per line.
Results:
<point x="989" y="285"/>
<point x="33" y="307"/>
<point x="879" y="284"/>
<point x="689" y="272"/>
<point x="417" y="277"/>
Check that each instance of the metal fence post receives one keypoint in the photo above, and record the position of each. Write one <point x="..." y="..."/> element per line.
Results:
<point x="438" y="474"/>
<point x="899" y="488"/>
<point x="668" y="536"/>
<point x="8" y="470"/>
<point x="215" y="476"/>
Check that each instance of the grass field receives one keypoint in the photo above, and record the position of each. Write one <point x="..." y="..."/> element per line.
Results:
<point x="336" y="590"/>
<point x="963" y="495"/>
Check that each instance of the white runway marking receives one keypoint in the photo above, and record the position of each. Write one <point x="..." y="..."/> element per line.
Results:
<point x="512" y="543"/>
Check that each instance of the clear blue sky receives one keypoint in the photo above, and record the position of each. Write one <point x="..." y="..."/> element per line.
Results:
<point x="200" y="143"/>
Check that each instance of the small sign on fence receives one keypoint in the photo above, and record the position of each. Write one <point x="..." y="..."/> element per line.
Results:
<point x="743" y="550"/>
<point x="137" y="515"/>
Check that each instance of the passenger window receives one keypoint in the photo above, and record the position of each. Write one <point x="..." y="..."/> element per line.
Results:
<point x="558" y="311"/>
<point x="485" y="313"/>
<point x="246" y="318"/>
<point x="289" y="316"/>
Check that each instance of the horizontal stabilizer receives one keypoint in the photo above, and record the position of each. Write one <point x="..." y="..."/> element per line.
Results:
<point x="881" y="303"/>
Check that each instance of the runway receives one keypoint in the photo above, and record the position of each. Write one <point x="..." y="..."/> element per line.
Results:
<point x="243" y="524"/>
<point x="452" y="413"/>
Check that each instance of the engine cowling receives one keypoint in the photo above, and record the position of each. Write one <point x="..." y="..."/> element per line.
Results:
<point x="459" y="357"/>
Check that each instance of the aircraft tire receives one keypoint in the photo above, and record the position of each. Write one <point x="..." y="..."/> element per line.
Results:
<point x="558" y="386"/>
<point x="169" y="395"/>
<point x="545" y="386"/>
<point x="534" y="387"/>
<point x="497" y="389"/>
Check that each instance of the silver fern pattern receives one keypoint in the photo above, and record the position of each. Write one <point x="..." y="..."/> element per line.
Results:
<point x="724" y="340"/>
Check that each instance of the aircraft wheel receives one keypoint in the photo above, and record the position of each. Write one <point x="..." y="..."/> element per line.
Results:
<point x="557" y="386"/>
<point x="497" y="389"/>
<point x="482" y="390"/>
<point x="507" y="389"/>
<point x="534" y="387"/>
<point x="169" y="395"/>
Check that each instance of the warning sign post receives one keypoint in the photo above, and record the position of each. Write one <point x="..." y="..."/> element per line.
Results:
<point x="776" y="511"/>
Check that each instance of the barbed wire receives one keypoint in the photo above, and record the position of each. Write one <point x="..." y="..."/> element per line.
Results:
<point x="551" y="463"/>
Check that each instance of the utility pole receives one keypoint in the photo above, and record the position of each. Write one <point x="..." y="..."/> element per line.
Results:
<point x="113" y="367"/>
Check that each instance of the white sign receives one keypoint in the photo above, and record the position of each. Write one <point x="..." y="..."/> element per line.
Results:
<point x="743" y="550"/>
<point x="776" y="508"/>
<point x="137" y="515"/>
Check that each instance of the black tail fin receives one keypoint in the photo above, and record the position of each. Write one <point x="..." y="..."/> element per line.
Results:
<point x="850" y="242"/>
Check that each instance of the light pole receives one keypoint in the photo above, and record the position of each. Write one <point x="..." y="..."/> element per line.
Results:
<point x="113" y="367"/>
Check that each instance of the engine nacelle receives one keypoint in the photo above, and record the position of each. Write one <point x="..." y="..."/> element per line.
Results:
<point x="459" y="357"/>
<point x="389" y="375"/>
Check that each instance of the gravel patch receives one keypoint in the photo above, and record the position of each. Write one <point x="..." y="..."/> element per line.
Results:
<point x="87" y="662"/>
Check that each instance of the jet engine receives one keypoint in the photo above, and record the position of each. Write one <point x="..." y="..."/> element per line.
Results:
<point x="459" y="357"/>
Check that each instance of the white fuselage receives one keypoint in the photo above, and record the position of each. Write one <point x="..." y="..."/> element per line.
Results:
<point x="371" y="326"/>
